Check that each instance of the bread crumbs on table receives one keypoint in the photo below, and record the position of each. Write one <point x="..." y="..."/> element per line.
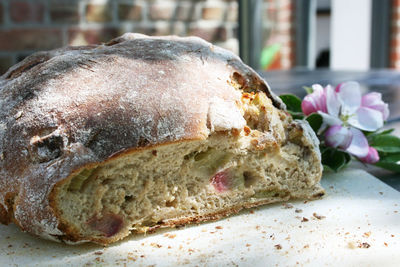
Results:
<point x="319" y="217"/>
<point x="170" y="235"/>
<point x="248" y="245"/>
<point x="385" y="244"/>
<point x="298" y="210"/>
<point x="278" y="246"/>
<point x="367" y="234"/>
<point x="142" y="256"/>
<point x="272" y="237"/>
<point x="287" y="206"/>
<point x="304" y="219"/>
<point x="364" y="245"/>
<point x="392" y="235"/>
<point x="306" y="246"/>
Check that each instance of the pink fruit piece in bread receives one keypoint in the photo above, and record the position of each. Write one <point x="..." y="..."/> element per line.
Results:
<point x="222" y="181"/>
<point x="109" y="224"/>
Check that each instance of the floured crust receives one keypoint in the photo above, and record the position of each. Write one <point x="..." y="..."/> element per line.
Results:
<point x="69" y="108"/>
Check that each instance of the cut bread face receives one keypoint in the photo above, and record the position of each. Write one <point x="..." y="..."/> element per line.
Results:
<point x="269" y="159"/>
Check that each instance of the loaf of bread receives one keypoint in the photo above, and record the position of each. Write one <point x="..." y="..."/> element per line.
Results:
<point x="140" y="133"/>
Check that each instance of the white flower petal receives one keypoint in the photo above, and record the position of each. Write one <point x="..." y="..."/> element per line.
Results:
<point x="359" y="144"/>
<point x="317" y="87"/>
<point x="329" y="119"/>
<point x="350" y="97"/>
<point x="332" y="101"/>
<point x="367" y="119"/>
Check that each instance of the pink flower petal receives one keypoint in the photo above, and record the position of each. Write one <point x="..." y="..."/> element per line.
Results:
<point x="338" y="136"/>
<point x="371" y="99"/>
<point x="316" y="101"/>
<point x="359" y="144"/>
<point x="308" y="105"/>
<point x="367" y="119"/>
<point x="374" y="101"/>
<point x="350" y="97"/>
<point x="372" y="157"/>
<point x="337" y="89"/>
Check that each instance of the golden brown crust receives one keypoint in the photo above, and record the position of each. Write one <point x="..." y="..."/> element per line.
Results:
<point x="69" y="108"/>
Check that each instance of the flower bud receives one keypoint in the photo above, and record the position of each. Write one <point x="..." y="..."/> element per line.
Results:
<point x="316" y="101"/>
<point x="338" y="136"/>
<point x="372" y="157"/>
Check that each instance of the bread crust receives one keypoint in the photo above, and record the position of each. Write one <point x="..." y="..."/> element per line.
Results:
<point x="73" y="107"/>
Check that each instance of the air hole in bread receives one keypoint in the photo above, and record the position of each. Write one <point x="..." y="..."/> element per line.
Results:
<point x="249" y="179"/>
<point x="47" y="148"/>
<point x="128" y="198"/>
<point x="239" y="82"/>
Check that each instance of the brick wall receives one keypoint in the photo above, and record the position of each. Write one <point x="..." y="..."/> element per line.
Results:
<point x="279" y="29"/>
<point x="395" y="36"/>
<point x="27" y="26"/>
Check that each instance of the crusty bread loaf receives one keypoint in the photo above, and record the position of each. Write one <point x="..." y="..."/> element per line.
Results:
<point x="140" y="133"/>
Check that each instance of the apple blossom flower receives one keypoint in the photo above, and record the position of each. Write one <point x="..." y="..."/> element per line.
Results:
<point x="372" y="156"/>
<point x="347" y="106"/>
<point x="346" y="113"/>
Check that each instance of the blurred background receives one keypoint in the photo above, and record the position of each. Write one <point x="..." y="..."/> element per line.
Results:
<point x="268" y="34"/>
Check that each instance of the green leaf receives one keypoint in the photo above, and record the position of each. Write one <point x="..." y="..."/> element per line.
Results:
<point x="315" y="121"/>
<point x="388" y="131"/>
<point x="386" y="143"/>
<point x="293" y="103"/>
<point x="335" y="159"/>
<point x="389" y="161"/>
<point x="308" y="89"/>
<point x="372" y="134"/>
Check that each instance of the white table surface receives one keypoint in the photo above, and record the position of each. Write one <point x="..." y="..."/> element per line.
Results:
<point x="361" y="227"/>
